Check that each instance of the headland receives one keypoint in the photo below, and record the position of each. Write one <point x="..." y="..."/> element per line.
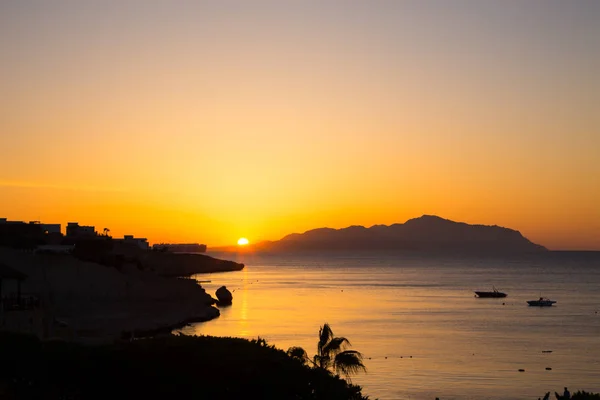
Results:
<point x="88" y="287"/>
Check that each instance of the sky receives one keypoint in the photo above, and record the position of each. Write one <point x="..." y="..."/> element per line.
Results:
<point x="206" y="121"/>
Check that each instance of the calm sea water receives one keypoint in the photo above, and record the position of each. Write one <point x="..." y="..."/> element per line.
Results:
<point x="418" y="324"/>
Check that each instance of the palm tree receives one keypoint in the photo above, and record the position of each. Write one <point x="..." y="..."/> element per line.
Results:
<point x="332" y="354"/>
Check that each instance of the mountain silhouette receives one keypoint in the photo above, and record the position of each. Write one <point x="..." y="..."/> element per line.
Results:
<point x="427" y="233"/>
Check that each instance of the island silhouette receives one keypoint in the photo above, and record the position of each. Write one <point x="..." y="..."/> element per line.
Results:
<point x="428" y="233"/>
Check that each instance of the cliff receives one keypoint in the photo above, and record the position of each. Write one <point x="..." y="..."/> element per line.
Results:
<point x="85" y="301"/>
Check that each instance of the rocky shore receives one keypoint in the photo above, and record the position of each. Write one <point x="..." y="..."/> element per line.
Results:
<point x="89" y="302"/>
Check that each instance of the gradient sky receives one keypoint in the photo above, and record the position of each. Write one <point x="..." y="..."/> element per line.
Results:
<point x="207" y="121"/>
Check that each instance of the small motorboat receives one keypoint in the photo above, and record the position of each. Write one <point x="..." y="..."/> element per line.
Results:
<point x="542" y="302"/>
<point x="493" y="294"/>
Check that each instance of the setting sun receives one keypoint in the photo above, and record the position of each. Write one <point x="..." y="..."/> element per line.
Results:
<point x="242" y="241"/>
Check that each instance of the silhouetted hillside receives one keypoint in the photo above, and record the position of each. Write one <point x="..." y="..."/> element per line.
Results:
<point x="424" y="234"/>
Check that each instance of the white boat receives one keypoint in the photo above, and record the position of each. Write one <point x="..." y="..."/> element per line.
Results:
<point x="542" y="302"/>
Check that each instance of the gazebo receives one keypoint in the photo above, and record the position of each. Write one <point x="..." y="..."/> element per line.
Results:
<point x="8" y="273"/>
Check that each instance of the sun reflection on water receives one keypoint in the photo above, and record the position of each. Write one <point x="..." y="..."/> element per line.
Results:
<point x="244" y="329"/>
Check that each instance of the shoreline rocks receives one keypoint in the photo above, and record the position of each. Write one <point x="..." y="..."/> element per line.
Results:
<point x="168" y="327"/>
<point x="224" y="296"/>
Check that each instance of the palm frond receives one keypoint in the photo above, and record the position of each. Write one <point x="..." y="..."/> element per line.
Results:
<point x="325" y="335"/>
<point x="298" y="353"/>
<point x="348" y="362"/>
<point x="316" y="361"/>
<point x="332" y="354"/>
<point x="336" y="345"/>
<point x="322" y="361"/>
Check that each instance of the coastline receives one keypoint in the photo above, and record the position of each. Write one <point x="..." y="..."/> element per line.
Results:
<point x="88" y="302"/>
<point x="166" y="329"/>
<point x="186" y="264"/>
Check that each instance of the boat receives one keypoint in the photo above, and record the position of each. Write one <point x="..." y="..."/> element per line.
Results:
<point x="493" y="294"/>
<point x="542" y="302"/>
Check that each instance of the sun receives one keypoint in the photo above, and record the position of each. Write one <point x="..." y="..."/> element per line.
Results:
<point x="242" y="241"/>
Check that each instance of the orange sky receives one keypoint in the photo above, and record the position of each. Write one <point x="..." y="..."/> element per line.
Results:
<point x="206" y="122"/>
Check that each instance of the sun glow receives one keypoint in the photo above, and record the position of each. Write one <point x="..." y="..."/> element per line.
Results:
<point x="242" y="241"/>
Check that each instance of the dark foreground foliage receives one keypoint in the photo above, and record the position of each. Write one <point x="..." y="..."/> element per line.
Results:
<point x="161" y="368"/>
<point x="583" y="395"/>
<point x="579" y="395"/>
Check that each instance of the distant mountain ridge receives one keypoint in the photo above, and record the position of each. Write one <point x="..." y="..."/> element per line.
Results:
<point x="428" y="233"/>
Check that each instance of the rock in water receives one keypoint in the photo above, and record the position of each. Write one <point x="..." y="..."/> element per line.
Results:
<point x="224" y="295"/>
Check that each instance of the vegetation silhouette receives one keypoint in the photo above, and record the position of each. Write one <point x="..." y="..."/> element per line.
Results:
<point x="579" y="395"/>
<point x="195" y="367"/>
<point x="332" y="354"/>
<point x="583" y="395"/>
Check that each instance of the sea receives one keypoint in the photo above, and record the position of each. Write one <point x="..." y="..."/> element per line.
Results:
<point x="418" y="324"/>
